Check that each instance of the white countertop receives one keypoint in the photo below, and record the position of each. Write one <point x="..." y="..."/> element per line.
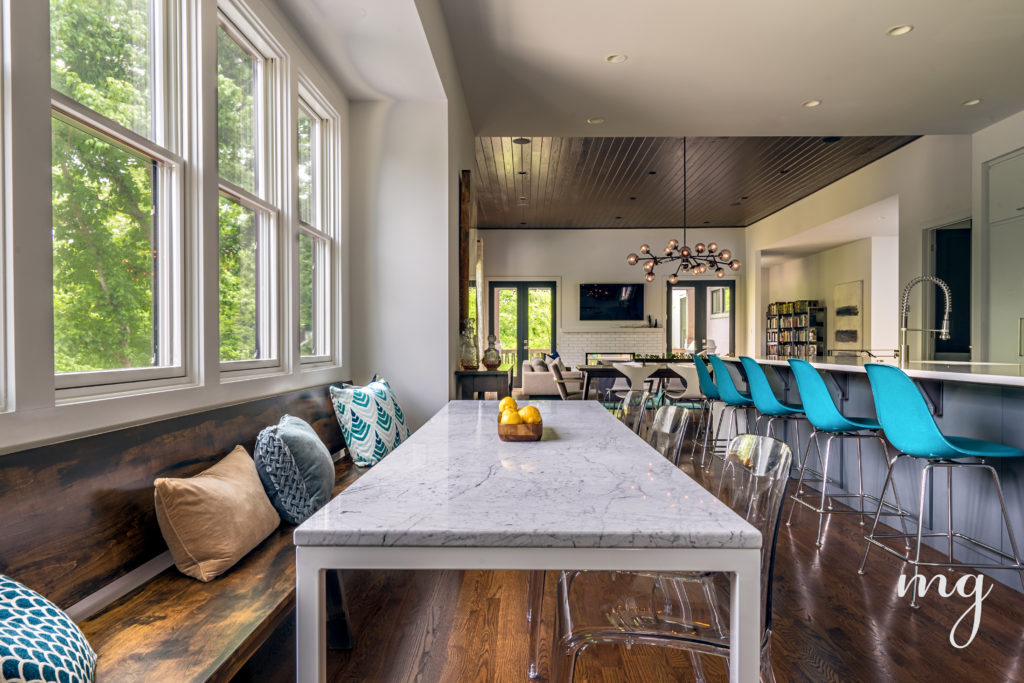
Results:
<point x="590" y="482"/>
<point x="1001" y="374"/>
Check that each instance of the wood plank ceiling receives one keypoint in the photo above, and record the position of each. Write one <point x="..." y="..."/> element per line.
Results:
<point x="598" y="182"/>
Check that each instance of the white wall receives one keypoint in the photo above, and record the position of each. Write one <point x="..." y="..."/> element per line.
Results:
<point x="987" y="144"/>
<point x="404" y="248"/>
<point x="872" y="260"/>
<point x="578" y="256"/>
<point x="931" y="177"/>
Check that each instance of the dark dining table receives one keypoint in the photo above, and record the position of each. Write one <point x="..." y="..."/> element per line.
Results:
<point x="604" y="371"/>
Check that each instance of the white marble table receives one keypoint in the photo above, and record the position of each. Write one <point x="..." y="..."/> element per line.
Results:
<point x="589" y="495"/>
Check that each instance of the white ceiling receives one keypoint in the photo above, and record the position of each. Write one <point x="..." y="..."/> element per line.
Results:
<point x="736" y="67"/>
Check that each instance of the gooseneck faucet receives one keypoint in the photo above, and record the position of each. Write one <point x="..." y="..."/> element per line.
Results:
<point x="905" y="317"/>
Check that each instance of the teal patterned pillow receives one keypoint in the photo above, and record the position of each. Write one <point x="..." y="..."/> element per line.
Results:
<point x="371" y="420"/>
<point x="38" y="642"/>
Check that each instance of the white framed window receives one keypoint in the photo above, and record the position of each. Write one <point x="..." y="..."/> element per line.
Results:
<point x="316" y="126"/>
<point x="117" y="193"/>
<point x="247" y="142"/>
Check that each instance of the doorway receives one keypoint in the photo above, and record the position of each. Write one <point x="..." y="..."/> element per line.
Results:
<point x="701" y="315"/>
<point x="523" y="320"/>
<point x="950" y="248"/>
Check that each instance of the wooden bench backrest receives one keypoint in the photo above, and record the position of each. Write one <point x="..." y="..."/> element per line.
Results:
<point x="76" y="515"/>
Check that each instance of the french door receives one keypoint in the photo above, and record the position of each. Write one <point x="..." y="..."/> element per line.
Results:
<point x="701" y="315"/>
<point x="522" y="317"/>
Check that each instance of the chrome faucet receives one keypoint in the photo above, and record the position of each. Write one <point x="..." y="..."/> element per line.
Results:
<point x="905" y="317"/>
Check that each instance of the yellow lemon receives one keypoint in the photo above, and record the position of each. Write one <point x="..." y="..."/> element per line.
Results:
<point x="530" y="415"/>
<point x="511" y="417"/>
<point x="507" y="403"/>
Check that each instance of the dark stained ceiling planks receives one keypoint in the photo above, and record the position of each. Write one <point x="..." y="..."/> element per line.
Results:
<point x="638" y="182"/>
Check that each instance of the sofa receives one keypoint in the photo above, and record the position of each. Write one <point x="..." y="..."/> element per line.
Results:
<point x="538" y="384"/>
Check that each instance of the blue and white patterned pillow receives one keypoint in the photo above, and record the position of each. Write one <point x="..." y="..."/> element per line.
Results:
<point x="39" y="642"/>
<point x="371" y="420"/>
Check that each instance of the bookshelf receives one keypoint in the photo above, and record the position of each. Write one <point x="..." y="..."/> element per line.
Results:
<point x="795" y="329"/>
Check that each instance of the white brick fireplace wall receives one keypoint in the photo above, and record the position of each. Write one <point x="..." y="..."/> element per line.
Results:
<point x="573" y="347"/>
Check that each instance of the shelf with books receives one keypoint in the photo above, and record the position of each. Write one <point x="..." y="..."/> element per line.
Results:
<point x="795" y="328"/>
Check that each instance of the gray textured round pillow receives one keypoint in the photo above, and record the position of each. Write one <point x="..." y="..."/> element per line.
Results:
<point x="295" y="468"/>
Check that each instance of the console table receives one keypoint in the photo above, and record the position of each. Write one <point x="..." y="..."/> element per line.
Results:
<point x="471" y="384"/>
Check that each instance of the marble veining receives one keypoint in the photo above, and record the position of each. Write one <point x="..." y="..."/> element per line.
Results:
<point x="590" y="482"/>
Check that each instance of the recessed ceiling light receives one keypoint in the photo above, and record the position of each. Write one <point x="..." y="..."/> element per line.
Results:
<point x="632" y="199"/>
<point x="971" y="103"/>
<point x="829" y="139"/>
<point x="521" y="172"/>
<point x="812" y="103"/>
<point x="595" y="120"/>
<point x="521" y="141"/>
<point x="652" y="173"/>
<point x="616" y="58"/>
<point x="522" y="223"/>
<point x="901" y="30"/>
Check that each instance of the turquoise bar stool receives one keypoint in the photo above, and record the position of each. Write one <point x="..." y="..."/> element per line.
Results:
<point x="765" y="400"/>
<point x="710" y="396"/>
<point x="825" y="418"/>
<point x="733" y="398"/>
<point x="910" y="427"/>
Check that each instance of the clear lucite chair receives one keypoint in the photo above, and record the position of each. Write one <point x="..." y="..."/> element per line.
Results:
<point x="633" y="403"/>
<point x="668" y="430"/>
<point x="685" y="610"/>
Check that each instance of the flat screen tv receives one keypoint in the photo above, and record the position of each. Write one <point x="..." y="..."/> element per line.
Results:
<point x="611" y="302"/>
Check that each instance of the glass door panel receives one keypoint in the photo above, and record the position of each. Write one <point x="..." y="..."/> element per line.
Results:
<point x="541" y="321"/>
<point x="718" y="328"/>
<point x="523" y="320"/>
<point x="505" y="326"/>
<point x="681" y="302"/>
<point x="701" y="317"/>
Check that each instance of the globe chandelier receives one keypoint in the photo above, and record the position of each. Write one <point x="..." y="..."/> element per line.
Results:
<point x="700" y="259"/>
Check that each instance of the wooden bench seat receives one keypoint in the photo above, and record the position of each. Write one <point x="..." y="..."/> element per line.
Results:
<point x="79" y="517"/>
<point x="175" y="628"/>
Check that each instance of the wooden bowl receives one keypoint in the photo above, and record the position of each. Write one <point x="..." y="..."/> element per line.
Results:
<point x="520" y="432"/>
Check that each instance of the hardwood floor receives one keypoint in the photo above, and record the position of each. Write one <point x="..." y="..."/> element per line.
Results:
<point x="830" y="625"/>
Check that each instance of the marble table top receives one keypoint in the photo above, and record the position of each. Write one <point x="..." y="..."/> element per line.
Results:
<point x="590" y="482"/>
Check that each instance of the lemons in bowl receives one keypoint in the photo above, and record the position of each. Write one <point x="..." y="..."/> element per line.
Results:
<point x="510" y="417"/>
<point x="530" y="415"/>
<point x="507" y="403"/>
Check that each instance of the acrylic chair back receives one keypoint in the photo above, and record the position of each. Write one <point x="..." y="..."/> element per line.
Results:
<point x="707" y="385"/>
<point x="904" y="415"/>
<point x="819" y="406"/>
<point x="761" y="389"/>
<point x="668" y="430"/>
<point x="752" y="481"/>
<point x="631" y="409"/>
<point x="726" y="387"/>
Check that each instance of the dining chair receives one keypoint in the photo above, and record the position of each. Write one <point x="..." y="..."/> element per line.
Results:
<point x="560" y="382"/>
<point x="734" y="400"/>
<point x="908" y="424"/>
<point x="634" y="402"/>
<point x="825" y="418"/>
<point x="685" y="610"/>
<point x="668" y="430"/>
<point x="768" y="404"/>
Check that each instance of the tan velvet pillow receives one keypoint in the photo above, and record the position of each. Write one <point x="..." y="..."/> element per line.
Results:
<point x="210" y="521"/>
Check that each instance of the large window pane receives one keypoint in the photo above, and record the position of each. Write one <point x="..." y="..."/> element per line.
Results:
<point x="307" y="171"/>
<point x="104" y="260"/>
<point x="236" y="112"/>
<point x="100" y="57"/>
<point x="239" y="270"/>
<point x="307" y="296"/>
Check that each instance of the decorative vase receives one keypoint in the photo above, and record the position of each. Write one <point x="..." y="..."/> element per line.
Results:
<point x="468" y="349"/>
<point x="492" y="357"/>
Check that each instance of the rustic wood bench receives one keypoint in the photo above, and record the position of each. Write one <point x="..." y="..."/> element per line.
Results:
<point x="79" y="515"/>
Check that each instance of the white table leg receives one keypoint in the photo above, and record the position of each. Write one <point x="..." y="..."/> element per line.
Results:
<point x="310" y="617"/>
<point x="745" y="619"/>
